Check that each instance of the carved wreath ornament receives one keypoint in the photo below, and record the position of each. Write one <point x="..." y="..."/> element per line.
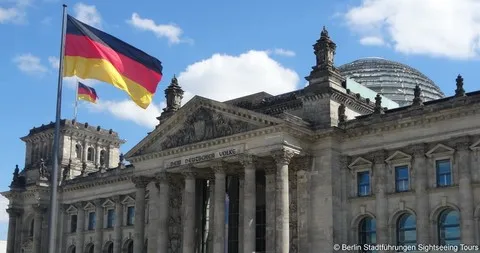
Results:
<point x="205" y="124"/>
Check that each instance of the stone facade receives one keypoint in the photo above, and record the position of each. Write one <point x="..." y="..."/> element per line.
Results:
<point x="298" y="172"/>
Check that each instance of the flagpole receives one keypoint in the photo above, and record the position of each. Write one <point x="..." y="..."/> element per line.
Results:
<point x="75" y="110"/>
<point x="52" y="222"/>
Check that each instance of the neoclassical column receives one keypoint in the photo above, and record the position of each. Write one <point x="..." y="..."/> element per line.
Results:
<point x="381" y="204"/>
<point x="163" y="212"/>
<point x="13" y="214"/>
<point x="465" y="193"/>
<point x="80" y="242"/>
<point x="141" y="183"/>
<point x="219" y="208"/>
<point x="98" y="226"/>
<point x="422" y="205"/>
<point x="39" y="211"/>
<point x="303" y="166"/>
<point x="211" y="216"/>
<point x="282" y="203"/>
<point x="269" y="207"/>
<point x="249" y="204"/>
<point x="188" y="216"/>
<point x="241" y="186"/>
<point x="117" y="227"/>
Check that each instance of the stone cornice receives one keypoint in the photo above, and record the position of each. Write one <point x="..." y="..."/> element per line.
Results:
<point x="25" y="194"/>
<point x="397" y="120"/>
<point x="91" y="181"/>
<point x="348" y="99"/>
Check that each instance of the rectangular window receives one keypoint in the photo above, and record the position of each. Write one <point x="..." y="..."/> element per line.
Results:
<point x="444" y="172"/>
<point x="73" y="223"/>
<point x="363" y="183"/>
<point x="401" y="178"/>
<point x="110" y="218"/>
<point x="130" y="215"/>
<point x="91" y="221"/>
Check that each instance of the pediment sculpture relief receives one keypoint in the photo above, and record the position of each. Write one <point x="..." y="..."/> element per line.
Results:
<point x="203" y="125"/>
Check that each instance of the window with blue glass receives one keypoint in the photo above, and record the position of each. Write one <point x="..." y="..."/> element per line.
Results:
<point x="73" y="223"/>
<point x="91" y="221"/>
<point x="401" y="178"/>
<point x="363" y="183"/>
<point x="130" y="215"/>
<point x="110" y="218"/>
<point x="367" y="233"/>
<point x="444" y="172"/>
<point x="407" y="230"/>
<point x="449" y="227"/>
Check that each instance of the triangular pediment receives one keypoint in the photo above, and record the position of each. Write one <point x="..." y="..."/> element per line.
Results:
<point x="201" y="120"/>
<point x="89" y="206"/>
<point x="128" y="201"/>
<point x="475" y="146"/>
<point x="108" y="203"/>
<point x="71" y="209"/>
<point x="440" y="149"/>
<point x="360" y="162"/>
<point x="398" y="156"/>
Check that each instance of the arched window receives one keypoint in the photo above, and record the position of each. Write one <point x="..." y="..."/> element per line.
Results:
<point x="32" y="226"/>
<point x="109" y="248"/>
<point x="102" y="157"/>
<point x="78" y="151"/>
<point x="72" y="249"/>
<point x="90" y="153"/>
<point x="406" y="230"/>
<point x="130" y="247"/>
<point x="90" y="248"/>
<point x="367" y="232"/>
<point x="449" y="227"/>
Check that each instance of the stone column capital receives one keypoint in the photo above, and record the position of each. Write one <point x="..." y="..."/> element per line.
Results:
<point x="418" y="150"/>
<point x="39" y="208"/>
<point x="379" y="157"/>
<point x="162" y="177"/>
<point x="462" y="146"/>
<point x="117" y="198"/>
<point x="282" y="156"/>
<point x="246" y="160"/>
<point x="270" y="169"/>
<point x="98" y="202"/>
<point x="14" y="212"/>
<point x="141" y="181"/>
<point x="218" y="167"/>
<point x="344" y="162"/>
<point x="189" y="174"/>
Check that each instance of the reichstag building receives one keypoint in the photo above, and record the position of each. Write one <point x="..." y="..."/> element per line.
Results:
<point x="369" y="153"/>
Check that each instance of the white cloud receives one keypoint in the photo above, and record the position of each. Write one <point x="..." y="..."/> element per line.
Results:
<point x="220" y="77"/>
<point x="3" y="210"/>
<point x="128" y="110"/>
<point x="448" y="29"/>
<point x="30" y="64"/>
<point x="88" y="14"/>
<point x="282" y="52"/>
<point x="372" y="41"/>
<point x="71" y="82"/>
<point x="54" y="62"/>
<point x="170" y="31"/>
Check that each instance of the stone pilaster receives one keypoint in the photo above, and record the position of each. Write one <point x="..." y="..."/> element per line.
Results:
<point x="302" y="203"/>
<point x="241" y="198"/>
<point x="163" y="212"/>
<point x="381" y="204"/>
<point x="117" y="226"/>
<point x="188" y="217"/>
<point x="13" y="215"/>
<point x="219" y="208"/>
<point x="269" y="207"/>
<point x="211" y="216"/>
<point x="98" y="226"/>
<point x="141" y="183"/>
<point x="39" y="212"/>
<point x="422" y="205"/>
<point x="249" y="204"/>
<point x="282" y="202"/>
<point x="80" y="241"/>
<point x="465" y="195"/>
<point x="62" y="227"/>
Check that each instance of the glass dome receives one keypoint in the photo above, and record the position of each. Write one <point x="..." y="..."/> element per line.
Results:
<point x="391" y="79"/>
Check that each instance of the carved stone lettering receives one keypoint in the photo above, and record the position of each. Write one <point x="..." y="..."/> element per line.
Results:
<point x="205" y="124"/>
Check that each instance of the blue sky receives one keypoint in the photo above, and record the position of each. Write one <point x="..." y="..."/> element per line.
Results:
<point x="220" y="50"/>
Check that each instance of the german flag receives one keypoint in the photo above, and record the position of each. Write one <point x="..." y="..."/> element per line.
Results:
<point x="94" y="54"/>
<point x="86" y="93"/>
